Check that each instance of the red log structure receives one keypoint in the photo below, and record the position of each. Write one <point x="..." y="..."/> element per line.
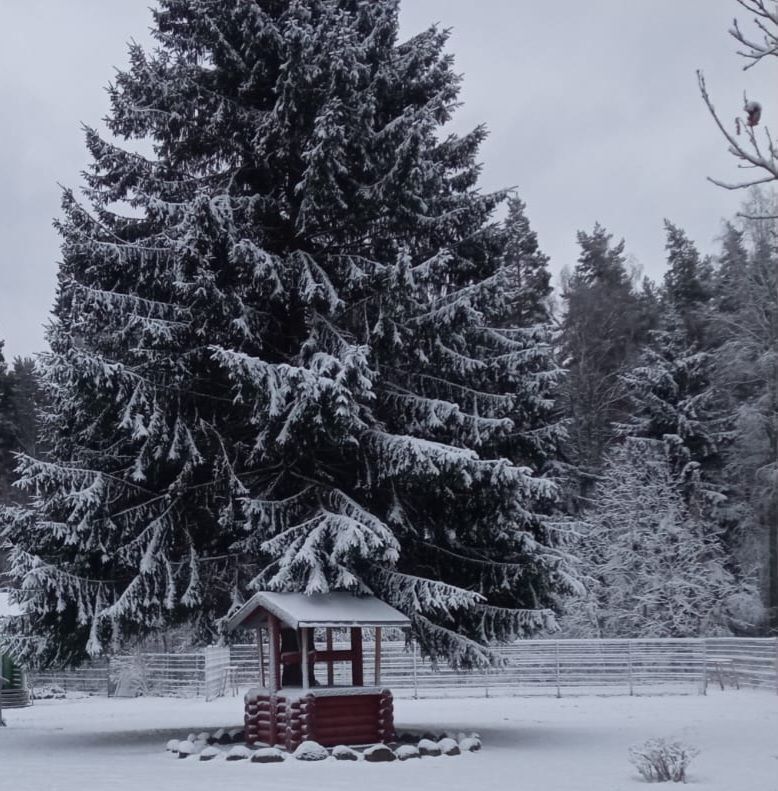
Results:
<point x="293" y="707"/>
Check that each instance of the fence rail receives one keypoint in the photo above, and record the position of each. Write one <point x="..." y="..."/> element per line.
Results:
<point x="529" y="667"/>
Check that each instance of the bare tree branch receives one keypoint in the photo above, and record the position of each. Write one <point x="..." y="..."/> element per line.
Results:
<point x="751" y="153"/>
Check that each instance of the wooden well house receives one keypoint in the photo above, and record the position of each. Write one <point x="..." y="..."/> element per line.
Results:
<point x="298" y="698"/>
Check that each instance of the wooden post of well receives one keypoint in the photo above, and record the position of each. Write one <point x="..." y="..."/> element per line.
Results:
<point x="304" y="657"/>
<point x="377" y="670"/>
<point x="274" y="664"/>
<point x="261" y="655"/>
<point x="357" y="670"/>
<point x="330" y="664"/>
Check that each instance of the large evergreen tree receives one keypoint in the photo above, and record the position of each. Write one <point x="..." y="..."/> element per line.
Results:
<point x="282" y="367"/>
<point x="747" y="372"/>
<point x="672" y="390"/>
<point x="7" y="431"/>
<point x="25" y="400"/>
<point x="527" y="269"/>
<point x="606" y="322"/>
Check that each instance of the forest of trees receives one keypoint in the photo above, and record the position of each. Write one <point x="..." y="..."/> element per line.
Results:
<point x="315" y="356"/>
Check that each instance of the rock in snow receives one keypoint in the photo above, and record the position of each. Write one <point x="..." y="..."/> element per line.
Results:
<point x="449" y="746"/>
<point x="428" y="747"/>
<point x="407" y="751"/>
<point x="268" y="755"/>
<point x="343" y="753"/>
<point x="187" y="748"/>
<point x="379" y="753"/>
<point x="172" y="746"/>
<point x="239" y="753"/>
<point x="470" y="744"/>
<point x="209" y="753"/>
<point x="311" y="751"/>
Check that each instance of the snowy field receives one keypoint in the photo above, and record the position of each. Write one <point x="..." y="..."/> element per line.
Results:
<point x="537" y="744"/>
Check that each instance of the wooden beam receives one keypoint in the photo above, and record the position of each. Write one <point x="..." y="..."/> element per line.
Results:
<point x="377" y="669"/>
<point x="261" y="653"/>
<point x="304" y="658"/>
<point x="274" y="652"/>
<point x="330" y="664"/>
<point x="357" y="670"/>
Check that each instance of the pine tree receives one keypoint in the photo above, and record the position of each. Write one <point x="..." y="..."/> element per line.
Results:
<point x="26" y="400"/>
<point x="732" y="262"/>
<point x="528" y="275"/>
<point x="282" y="369"/>
<point x="7" y="431"/>
<point x="657" y="571"/>
<point x="606" y="322"/>
<point x="672" y="390"/>
<point x="747" y="372"/>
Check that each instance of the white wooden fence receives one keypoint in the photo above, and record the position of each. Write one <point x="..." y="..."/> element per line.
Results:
<point x="529" y="667"/>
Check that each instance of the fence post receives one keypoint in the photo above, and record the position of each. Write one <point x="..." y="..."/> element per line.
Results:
<point x="556" y="657"/>
<point x="704" y="685"/>
<point x="776" y="665"/>
<point x="629" y="667"/>
<point x="415" y="678"/>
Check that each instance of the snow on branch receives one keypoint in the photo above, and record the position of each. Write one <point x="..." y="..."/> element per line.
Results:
<point x="751" y="154"/>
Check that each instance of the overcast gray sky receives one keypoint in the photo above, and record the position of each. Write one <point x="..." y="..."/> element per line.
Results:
<point x="592" y="106"/>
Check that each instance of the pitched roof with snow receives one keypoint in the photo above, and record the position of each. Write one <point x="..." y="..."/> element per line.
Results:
<point x="319" y="609"/>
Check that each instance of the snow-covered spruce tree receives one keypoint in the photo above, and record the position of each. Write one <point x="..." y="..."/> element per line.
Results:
<point x="747" y="371"/>
<point x="527" y="269"/>
<point x="282" y="367"/>
<point x="606" y="322"/>
<point x="7" y="431"/>
<point x="728" y="287"/>
<point x="657" y="570"/>
<point x="672" y="390"/>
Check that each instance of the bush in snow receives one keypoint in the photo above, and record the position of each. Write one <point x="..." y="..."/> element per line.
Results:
<point x="52" y="692"/>
<point x="660" y="761"/>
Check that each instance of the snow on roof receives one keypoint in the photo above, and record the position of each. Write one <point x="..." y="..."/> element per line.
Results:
<point x="8" y="610"/>
<point x="319" y="609"/>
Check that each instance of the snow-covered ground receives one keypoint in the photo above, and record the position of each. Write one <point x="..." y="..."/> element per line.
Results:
<point x="538" y="744"/>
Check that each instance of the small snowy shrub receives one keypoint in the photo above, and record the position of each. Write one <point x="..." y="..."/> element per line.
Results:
<point x="660" y="761"/>
<point x="52" y="692"/>
<point x="128" y="677"/>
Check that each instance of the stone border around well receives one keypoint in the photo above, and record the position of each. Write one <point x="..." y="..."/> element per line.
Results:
<point x="228" y="745"/>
